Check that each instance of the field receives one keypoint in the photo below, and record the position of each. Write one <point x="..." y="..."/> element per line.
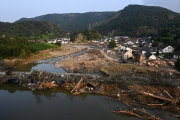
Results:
<point x="170" y="38"/>
<point x="43" y="46"/>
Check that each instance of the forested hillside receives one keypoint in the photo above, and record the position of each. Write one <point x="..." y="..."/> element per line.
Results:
<point x="137" y="20"/>
<point x="85" y="35"/>
<point x="32" y="29"/>
<point x="74" y="21"/>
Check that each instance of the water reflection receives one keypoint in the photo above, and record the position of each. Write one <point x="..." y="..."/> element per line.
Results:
<point x="19" y="103"/>
<point x="48" y="94"/>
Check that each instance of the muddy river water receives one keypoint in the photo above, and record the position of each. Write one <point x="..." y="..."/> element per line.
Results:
<point x="19" y="103"/>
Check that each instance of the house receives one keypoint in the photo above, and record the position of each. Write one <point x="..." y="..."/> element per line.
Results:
<point x="140" y="58"/>
<point x="126" y="54"/>
<point x="176" y="55"/>
<point x="130" y="43"/>
<point x="50" y="41"/>
<point x="146" y="49"/>
<point x="31" y="41"/>
<point x="150" y="56"/>
<point x="64" y="41"/>
<point x="166" y="49"/>
<point x="41" y="41"/>
<point x="129" y="49"/>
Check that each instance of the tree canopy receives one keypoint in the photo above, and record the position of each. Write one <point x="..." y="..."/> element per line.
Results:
<point x="112" y="44"/>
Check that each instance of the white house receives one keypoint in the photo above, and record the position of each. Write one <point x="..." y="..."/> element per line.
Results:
<point x="64" y="42"/>
<point x="50" y="41"/>
<point x="129" y="49"/>
<point x="166" y="49"/>
<point x="130" y="43"/>
<point x="126" y="54"/>
<point x="150" y="56"/>
<point x="146" y="49"/>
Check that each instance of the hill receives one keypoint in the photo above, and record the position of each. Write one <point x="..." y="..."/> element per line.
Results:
<point x="74" y="21"/>
<point x="32" y="29"/>
<point x="138" y="20"/>
<point x="85" y="35"/>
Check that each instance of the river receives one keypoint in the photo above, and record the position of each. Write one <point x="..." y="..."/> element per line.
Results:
<point x="19" y="103"/>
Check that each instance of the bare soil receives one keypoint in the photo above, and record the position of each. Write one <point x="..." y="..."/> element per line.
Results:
<point x="89" y="62"/>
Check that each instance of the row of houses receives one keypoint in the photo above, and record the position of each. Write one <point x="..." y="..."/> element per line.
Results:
<point x="62" y="40"/>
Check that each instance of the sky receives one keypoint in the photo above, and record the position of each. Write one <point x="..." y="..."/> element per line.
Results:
<point x="12" y="10"/>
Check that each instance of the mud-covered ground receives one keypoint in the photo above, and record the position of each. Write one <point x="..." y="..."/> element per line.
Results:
<point x="89" y="62"/>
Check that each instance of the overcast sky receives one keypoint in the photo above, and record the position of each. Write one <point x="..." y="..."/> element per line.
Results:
<point x="12" y="10"/>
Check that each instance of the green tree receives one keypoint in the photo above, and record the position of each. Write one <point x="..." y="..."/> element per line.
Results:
<point x="23" y="54"/>
<point x="58" y="43"/>
<point x="157" y="53"/>
<point x="177" y="63"/>
<point x="112" y="44"/>
<point x="177" y="37"/>
<point x="155" y="44"/>
<point x="166" y="32"/>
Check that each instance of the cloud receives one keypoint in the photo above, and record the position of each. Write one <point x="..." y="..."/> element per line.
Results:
<point x="173" y="5"/>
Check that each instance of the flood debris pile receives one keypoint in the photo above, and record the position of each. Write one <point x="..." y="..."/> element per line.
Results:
<point x="86" y="63"/>
<point x="37" y="80"/>
<point x="144" y="87"/>
<point x="78" y="85"/>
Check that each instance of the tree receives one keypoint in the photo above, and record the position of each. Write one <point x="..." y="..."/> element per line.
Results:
<point x="58" y="43"/>
<point x="23" y="54"/>
<point x="177" y="37"/>
<point x="166" y="32"/>
<point x="177" y="63"/>
<point x="112" y="44"/>
<point x="155" y="44"/>
<point x="157" y="53"/>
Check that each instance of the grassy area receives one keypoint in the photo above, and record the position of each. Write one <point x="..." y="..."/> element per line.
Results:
<point x="43" y="46"/>
<point x="170" y="38"/>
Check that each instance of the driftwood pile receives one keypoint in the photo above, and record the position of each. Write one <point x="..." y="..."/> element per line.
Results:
<point x="167" y="103"/>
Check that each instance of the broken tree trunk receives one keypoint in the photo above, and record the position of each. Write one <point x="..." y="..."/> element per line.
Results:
<point x="78" y="84"/>
<point x="158" y="97"/>
<point x="131" y="112"/>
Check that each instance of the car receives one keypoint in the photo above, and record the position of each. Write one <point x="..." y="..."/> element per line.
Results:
<point x="124" y="62"/>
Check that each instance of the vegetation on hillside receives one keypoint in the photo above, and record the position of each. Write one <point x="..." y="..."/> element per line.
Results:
<point x="20" y="47"/>
<point x="137" y="20"/>
<point x="85" y="35"/>
<point x="15" y="47"/>
<point x="32" y="30"/>
<point x="74" y="21"/>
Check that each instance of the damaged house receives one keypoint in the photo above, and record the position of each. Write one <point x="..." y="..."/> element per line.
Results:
<point x="140" y="58"/>
<point x="150" y="56"/>
<point x="176" y="55"/>
<point x="126" y="54"/>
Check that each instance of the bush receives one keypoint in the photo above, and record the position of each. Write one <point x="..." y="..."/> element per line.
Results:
<point x="58" y="43"/>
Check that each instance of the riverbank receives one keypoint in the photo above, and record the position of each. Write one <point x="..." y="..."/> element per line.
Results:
<point x="42" y="55"/>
